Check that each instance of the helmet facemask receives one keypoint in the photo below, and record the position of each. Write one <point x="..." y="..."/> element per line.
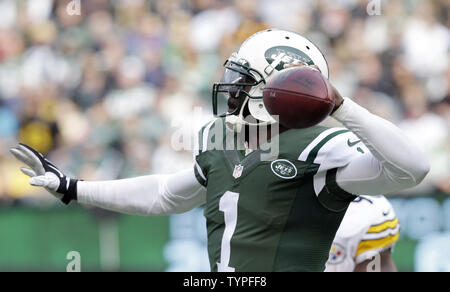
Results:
<point x="238" y="86"/>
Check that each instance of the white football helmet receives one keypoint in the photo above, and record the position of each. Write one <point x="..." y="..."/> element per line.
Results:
<point x="246" y="72"/>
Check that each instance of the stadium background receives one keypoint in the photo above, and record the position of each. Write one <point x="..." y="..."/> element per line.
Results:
<point x="100" y="93"/>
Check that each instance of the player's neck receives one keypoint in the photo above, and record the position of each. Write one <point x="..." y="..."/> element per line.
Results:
<point x="253" y="138"/>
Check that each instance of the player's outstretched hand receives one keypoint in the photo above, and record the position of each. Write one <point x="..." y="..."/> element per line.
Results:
<point x="45" y="174"/>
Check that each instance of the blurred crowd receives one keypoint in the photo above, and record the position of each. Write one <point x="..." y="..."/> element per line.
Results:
<point x="100" y="91"/>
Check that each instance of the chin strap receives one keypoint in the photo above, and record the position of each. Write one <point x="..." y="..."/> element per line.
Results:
<point x="234" y="123"/>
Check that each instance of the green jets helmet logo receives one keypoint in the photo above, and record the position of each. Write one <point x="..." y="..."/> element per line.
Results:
<point x="283" y="55"/>
<point x="284" y="168"/>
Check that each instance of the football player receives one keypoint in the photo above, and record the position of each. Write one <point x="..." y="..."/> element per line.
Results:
<point x="278" y="214"/>
<point x="366" y="237"/>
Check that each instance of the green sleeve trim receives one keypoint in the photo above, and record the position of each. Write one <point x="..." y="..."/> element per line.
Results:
<point x="333" y="197"/>
<point x="199" y="177"/>
<point x="313" y="154"/>
<point x="201" y="135"/>
<point x="200" y="140"/>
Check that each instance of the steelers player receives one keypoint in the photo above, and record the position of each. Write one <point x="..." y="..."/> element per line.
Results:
<point x="263" y="212"/>
<point x="366" y="237"/>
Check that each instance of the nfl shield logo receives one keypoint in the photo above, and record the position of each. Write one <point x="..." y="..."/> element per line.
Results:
<point x="238" y="171"/>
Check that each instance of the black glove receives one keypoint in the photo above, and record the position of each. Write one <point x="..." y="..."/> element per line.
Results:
<point x="45" y="174"/>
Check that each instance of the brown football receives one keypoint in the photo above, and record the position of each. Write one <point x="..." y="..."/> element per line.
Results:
<point x="300" y="97"/>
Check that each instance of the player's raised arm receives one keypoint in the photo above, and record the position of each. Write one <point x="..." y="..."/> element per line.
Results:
<point x="145" y="195"/>
<point x="394" y="162"/>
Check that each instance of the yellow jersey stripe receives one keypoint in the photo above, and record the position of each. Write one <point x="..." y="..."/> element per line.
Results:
<point x="392" y="224"/>
<point x="367" y="245"/>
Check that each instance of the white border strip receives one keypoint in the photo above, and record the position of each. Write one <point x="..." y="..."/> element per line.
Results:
<point x="205" y="136"/>
<point x="304" y="155"/>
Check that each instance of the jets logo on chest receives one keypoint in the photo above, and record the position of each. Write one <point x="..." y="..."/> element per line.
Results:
<point x="284" y="168"/>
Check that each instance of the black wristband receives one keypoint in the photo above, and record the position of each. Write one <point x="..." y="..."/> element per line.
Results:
<point x="71" y="192"/>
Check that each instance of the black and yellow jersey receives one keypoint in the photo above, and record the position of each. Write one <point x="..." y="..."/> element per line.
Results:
<point x="369" y="227"/>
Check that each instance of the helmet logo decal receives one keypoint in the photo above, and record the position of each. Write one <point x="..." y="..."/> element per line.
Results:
<point x="243" y="62"/>
<point x="280" y="56"/>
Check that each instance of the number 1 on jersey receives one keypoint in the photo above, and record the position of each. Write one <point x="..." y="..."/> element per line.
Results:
<point x="228" y="204"/>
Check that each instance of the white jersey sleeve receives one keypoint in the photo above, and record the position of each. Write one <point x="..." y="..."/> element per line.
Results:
<point x="145" y="195"/>
<point x="149" y="195"/>
<point x="394" y="162"/>
<point x="369" y="227"/>
<point x="371" y="156"/>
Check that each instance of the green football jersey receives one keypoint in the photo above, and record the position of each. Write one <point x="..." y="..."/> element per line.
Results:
<point x="279" y="214"/>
